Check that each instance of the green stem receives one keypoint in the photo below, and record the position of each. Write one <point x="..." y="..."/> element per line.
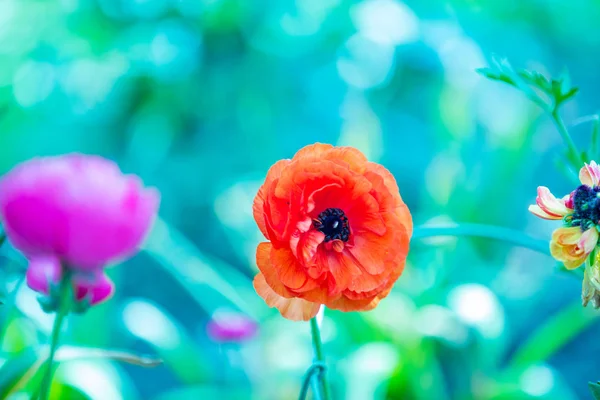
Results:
<point x="485" y="231"/>
<point x="319" y="356"/>
<point x="314" y="369"/>
<point x="61" y="313"/>
<point x="564" y="133"/>
<point x="490" y="232"/>
<point x="10" y="307"/>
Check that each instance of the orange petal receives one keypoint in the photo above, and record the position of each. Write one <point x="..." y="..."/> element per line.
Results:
<point x="387" y="185"/>
<point x="258" y="208"/>
<point x="371" y="251"/>
<point x="314" y="150"/>
<point x="289" y="271"/>
<point x="309" y="243"/>
<point x="342" y="269"/>
<point x="294" y="309"/>
<point x="337" y="245"/>
<point x="349" y="157"/>
<point x="374" y="223"/>
<point x="353" y="158"/>
<point x="263" y="261"/>
<point x="346" y="304"/>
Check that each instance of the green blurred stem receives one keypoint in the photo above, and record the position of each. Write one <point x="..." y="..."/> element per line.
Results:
<point x="10" y="306"/>
<point x="562" y="129"/>
<point x="320" y="358"/>
<point x="485" y="231"/>
<point x="61" y="313"/>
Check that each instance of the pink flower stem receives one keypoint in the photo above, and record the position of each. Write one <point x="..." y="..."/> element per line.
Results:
<point x="63" y="310"/>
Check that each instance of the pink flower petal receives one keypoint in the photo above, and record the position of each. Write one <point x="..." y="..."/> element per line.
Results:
<point x="228" y="326"/>
<point x="589" y="174"/>
<point x="548" y="206"/>
<point x="42" y="272"/>
<point x="589" y="240"/>
<point x="95" y="287"/>
<point x="79" y="208"/>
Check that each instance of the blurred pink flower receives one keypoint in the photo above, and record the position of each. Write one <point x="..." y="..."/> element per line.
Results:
<point x="46" y="271"/>
<point x="81" y="209"/>
<point x="226" y="326"/>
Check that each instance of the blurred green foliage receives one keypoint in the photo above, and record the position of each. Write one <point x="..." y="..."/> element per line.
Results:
<point x="200" y="97"/>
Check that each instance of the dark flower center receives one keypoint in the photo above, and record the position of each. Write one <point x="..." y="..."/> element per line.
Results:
<point x="334" y="224"/>
<point x="586" y="204"/>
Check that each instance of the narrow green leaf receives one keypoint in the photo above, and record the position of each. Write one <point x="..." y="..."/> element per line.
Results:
<point x="23" y="369"/>
<point x="594" y="139"/>
<point x="553" y="334"/>
<point x="69" y="353"/>
<point x="570" y="93"/>
<point x="595" y="389"/>
<point x="200" y="274"/>
<point x="584" y="156"/>
<point x="496" y="76"/>
<point x="15" y="369"/>
<point x="562" y="97"/>
<point x="537" y="80"/>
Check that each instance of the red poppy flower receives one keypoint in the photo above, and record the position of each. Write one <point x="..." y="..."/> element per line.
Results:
<point x="339" y="232"/>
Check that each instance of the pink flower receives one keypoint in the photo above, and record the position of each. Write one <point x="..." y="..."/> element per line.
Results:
<point x="589" y="174"/>
<point x="549" y="207"/>
<point x="78" y="208"/>
<point x="227" y="326"/>
<point x="45" y="271"/>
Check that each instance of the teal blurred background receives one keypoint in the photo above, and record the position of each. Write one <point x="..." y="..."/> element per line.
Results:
<point x="200" y="97"/>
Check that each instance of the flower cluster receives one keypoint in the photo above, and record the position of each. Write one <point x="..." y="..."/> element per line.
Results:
<point x="74" y="214"/>
<point x="575" y="243"/>
<point x="338" y="232"/>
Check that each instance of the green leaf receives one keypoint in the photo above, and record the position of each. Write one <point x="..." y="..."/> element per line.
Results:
<point x="556" y="91"/>
<point x="189" y="362"/>
<point x="594" y="139"/>
<point x="552" y="335"/>
<point x="200" y="274"/>
<point x="23" y="369"/>
<point x="561" y="97"/>
<point x="496" y="76"/>
<point x="16" y="370"/>
<point x="539" y="81"/>
<point x="595" y="389"/>
<point x="69" y="353"/>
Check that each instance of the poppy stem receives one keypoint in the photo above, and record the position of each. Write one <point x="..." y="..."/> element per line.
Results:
<point x="320" y="358"/>
<point x="61" y="313"/>
<point x="315" y="368"/>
